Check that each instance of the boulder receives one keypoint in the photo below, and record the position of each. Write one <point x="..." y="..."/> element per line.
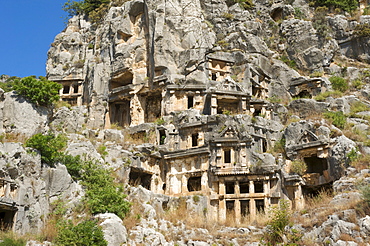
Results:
<point x="115" y="232"/>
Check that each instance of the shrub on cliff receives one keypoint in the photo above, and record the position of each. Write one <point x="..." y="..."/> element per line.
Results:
<point x="49" y="146"/>
<point x="345" y="5"/>
<point x="102" y="194"/>
<point x="339" y="83"/>
<point x="83" y="234"/>
<point x="40" y="91"/>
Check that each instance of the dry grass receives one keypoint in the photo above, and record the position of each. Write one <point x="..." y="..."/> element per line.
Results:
<point x="49" y="232"/>
<point x="317" y="209"/>
<point x="346" y="237"/>
<point x="11" y="238"/>
<point x="133" y="219"/>
<point x="362" y="162"/>
<point x="13" y="137"/>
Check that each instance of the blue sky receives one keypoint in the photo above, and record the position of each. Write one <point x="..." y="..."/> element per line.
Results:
<point x="28" y="27"/>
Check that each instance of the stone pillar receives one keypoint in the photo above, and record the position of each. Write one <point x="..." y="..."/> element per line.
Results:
<point x="214" y="104"/>
<point x="198" y="101"/>
<point x="222" y="202"/>
<point x="252" y="110"/>
<point x="7" y="189"/>
<point x="136" y="111"/>
<point x="237" y="203"/>
<point x="172" y="102"/>
<point x="244" y="105"/>
<point x="263" y="111"/>
<point x="237" y="188"/>
<point x="251" y="187"/>
<point x="298" y="196"/>
<point x="266" y="187"/>
<point x="204" y="181"/>
<point x="184" y="184"/>
<point x="252" y="210"/>
<point x="237" y="211"/>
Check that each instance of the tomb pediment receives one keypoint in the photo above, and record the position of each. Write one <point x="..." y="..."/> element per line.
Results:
<point x="229" y="132"/>
<point x="307" y="137"/>
<point x="229" y="85"/>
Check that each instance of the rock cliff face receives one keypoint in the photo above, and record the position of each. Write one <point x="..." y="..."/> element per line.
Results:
<point x="195" y="98"/>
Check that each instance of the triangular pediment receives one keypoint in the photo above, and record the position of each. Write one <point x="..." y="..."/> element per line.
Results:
<point x="228" y="84"/>
<point x="229" y="132"/>
<point x="307" y="137"/>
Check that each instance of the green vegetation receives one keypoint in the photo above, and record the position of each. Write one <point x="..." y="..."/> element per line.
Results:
<point x="357" y="107"/>
<point x="298" y="167"/>
<point x="279" y="146"/>
<point x="319" y="21"/>
<point x="290" y="63"/>
<point x="298" y="13"/>
<point x="277" y="227"/>
<point x="345" y="5"/>
<point x="85" y="233"/>
<point x="322" y="96"/>
<point x="365" y="191"/>
<point x="159" y="121"/>
<point x="245" y="4"/>
<point x="228" y="16"/>
<point x="94" y="9"/>
<point x="102" y="194"/>
<point x="49" y="146"/>
<point x="9" y="238"/>
<point x="362" y="30"/>
<point x="8" y="83"/>
<point x="339" y="83"/>
<point x="338" y="118"/>
<point x="40" y="91"/>
<point x="83" y="7"/>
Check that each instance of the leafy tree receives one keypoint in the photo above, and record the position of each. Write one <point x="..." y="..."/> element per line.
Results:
<point x="40" y="91"/>
<point x="345" y="5"/>
<point x="74" y="165"/>
<point x="8" y="84"/>
<point x="102" y="194"/>
<point x="49" y="145"/>
<point x="83" y="7"/>
<point x="86" y="233"/>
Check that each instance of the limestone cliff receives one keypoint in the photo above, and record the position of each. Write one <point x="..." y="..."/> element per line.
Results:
<point x="203" y="99"/>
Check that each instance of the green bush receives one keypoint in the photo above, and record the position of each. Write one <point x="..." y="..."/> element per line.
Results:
<point x="40" y="91"/>
<point x="94" y="9"/>
<point x="102" y="194"/>
<point x="365" y="192"/>
<point x="245" y="4"/>
<point x="338" y="118"/>
<point x="12" y="242"/>
<point x="290" y="63"/>
<point x="322" y="96"/>
<point x="86" y="233"/>
<point x="9" y="83"/>
<point x="74" y="165"/>
<point x="48" y="145"/>
<point x="276" y="226"/>
<point x="298" y="167"/>
<point x="358" y="106"/>
<point x="345" y="5"/>
<point x="362" y="30"/>
<point x="339" y="83"/>
<point x="319" y="21"/>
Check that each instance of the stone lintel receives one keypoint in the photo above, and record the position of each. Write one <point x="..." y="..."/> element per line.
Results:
<point x="187" y="152"/>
